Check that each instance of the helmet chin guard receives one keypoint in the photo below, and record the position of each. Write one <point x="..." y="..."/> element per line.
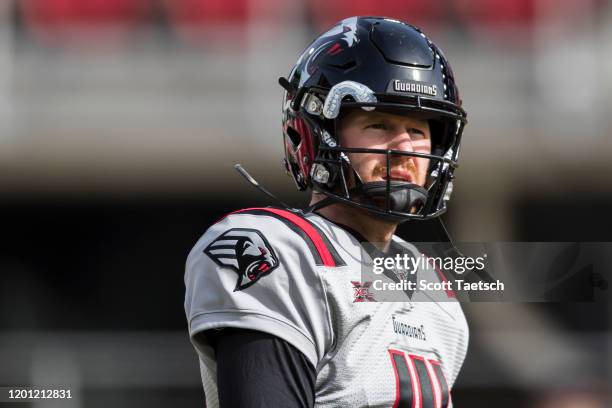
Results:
<point x="401" y="196"/>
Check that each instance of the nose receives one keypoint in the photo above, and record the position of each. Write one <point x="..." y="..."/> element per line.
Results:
<point x="401" y="140"/>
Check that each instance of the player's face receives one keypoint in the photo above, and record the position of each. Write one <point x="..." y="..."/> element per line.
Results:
<point x="378" y="130"/>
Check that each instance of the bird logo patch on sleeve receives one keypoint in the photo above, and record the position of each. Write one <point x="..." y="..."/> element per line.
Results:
<point x="245" y="251"/>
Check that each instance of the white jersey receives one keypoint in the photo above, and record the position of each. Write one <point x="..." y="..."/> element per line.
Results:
<point x="299" y="278"/>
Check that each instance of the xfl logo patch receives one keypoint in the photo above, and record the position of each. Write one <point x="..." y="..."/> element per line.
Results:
<point x="361" y="292"/>
<point x="245" y="251"/>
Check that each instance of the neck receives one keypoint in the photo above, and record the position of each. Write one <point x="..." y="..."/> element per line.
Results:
<point x="377" y="231"/>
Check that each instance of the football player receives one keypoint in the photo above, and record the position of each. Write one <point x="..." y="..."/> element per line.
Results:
<point x="277" y="308"/>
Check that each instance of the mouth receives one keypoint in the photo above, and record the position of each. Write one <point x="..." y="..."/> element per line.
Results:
<point x="400" y="175"/>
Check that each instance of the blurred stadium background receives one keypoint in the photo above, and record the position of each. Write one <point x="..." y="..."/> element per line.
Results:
<point x="120" y="121"/>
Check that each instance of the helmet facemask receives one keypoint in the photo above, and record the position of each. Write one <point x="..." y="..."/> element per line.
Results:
<point x="334" y="175"/>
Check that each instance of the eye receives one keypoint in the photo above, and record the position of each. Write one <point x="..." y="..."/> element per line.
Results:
<point x="417" y="134"/>
<point x="378" y="126"/>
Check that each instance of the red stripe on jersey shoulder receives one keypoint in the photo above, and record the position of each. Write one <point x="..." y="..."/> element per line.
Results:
<point x="305" y="226"/>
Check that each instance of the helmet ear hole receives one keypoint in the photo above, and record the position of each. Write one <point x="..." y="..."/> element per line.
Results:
<point x="294" y="136"/>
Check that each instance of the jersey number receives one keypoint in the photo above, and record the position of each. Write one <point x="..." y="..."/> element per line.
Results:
<point x="419" y="383"/>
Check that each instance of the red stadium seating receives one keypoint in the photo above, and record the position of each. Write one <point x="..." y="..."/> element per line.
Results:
<point x="217" y="23"/>
<point x="69" y="22"/>
<point x="204" y="23"/>
<point x="494" y="12"/>
<point x="511" y="21"/>
<point x="206" y="12"/>
<point x="419" y="12"/>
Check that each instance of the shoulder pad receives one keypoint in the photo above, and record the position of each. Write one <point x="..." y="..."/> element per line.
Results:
<point x="320" y="246"/>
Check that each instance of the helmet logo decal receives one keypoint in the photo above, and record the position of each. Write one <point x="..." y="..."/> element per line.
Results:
<point x="414" y="87"/>
<point x="246" y="252"/>
<point x="347" y="28"/>
<point x="359" y="92"/>
<point x="331" y="43"/>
